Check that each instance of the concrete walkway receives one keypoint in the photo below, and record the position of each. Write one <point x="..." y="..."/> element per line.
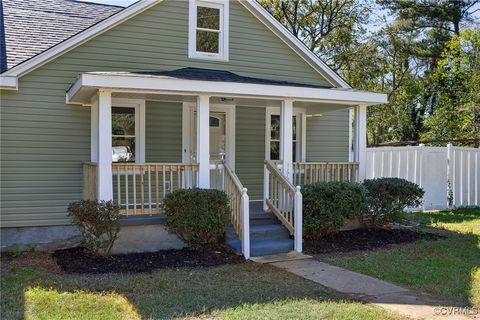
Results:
<point x="372" y="290"/>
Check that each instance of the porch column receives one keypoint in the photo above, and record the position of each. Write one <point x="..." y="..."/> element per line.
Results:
<point x="104" y="145"/>
<point x="203" y="141"/>
<point x="286" y="136"/>
<point x="361" y="140"/>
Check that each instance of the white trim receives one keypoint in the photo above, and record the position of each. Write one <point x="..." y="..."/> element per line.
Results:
<point x="301" y="134"/>
<point x="256" y="9"/>
<point x="350" y="135"/>
<point x="80" y="38"/>
<point x="203" y="134"/>
<point x="139" y="106"/>
<point x="187" y="119"/>
<point x="147" y="83"/>
<point x="104" y="146"/>
<point x="223" y="38"/>
<point x="8" y="83"/>
<point x="94" y="130"/>
<point x="361" y="140"/>
<point x="294" y="43"/>
<point x="286" y="135"/>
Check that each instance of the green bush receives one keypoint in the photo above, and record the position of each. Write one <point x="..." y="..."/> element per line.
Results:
<point x="98" y="222"/>
<point x="387" y="198"/>
<point x="328" y="205"/>
<point x="198" y="216"/>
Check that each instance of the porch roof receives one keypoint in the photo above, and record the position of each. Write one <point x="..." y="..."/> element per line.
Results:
<point x="195" y="81"/>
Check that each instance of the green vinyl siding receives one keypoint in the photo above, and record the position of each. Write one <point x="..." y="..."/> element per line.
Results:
<point x="327" y="137"/>
<point x="163" y="132"/>
<point x="44" y="141"/>
<point x="250" y="149"/>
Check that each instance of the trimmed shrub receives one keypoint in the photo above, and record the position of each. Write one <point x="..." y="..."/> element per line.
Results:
<point x="197" y="216"/>
<point x="387" y="198"/>
<point x="328" y="205"/>
<point x="98" y="222"/>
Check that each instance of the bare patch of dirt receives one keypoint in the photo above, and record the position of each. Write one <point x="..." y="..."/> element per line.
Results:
<point x="42" y="261"/>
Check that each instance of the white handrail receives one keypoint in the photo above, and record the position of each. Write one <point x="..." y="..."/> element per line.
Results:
<point x="285" y="201"/>
<point x="240" y="207"/>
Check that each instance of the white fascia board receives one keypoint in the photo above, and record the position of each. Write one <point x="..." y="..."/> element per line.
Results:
<point x="274" y="25"/>
<point x="8" y="83"/>
<point x="80" y="38"/>
<point x="143" y="83"/>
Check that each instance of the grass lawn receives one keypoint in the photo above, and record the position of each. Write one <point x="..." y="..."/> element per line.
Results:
<point x="448" y="269"/>
<point x="241" y="291"/>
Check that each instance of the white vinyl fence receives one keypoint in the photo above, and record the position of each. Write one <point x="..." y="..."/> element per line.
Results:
<point x="445" y="173"/>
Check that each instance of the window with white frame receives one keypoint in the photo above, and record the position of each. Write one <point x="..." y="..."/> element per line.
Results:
<point x="274" y="138"/>
<point x="124" y="134"/>
<point x="208" y="29"/>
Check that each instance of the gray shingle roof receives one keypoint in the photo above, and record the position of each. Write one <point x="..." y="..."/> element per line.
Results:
<point x="29" y="27"/>
<point x="202" y="74"/>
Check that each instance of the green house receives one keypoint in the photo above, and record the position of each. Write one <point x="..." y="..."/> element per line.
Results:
<point x="129" y="104"/>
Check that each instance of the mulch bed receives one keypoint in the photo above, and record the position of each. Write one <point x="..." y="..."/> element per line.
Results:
<point x="76" y="260"/>
<point x="361" y="240"/>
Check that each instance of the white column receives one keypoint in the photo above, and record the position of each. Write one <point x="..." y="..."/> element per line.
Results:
<point x="245" y="211"/>
<point x="286" y="136"/>
<point x="104" y="144"/>
<point x="203" y="141"/>
<point x="361" y="140"/>
<point x="94" y="130"/>
<point x="298" y="220"/>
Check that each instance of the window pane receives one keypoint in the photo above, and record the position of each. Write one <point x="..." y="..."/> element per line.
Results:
<point x="275" y="127"/>
<point x="294" y="150"/>
<point x="123" y="121"/>
<point x="207" y="41"/>
<point x="123" y="149"/>
<point x="208" y="18"/>
<point x="294" y="128"/>
<point x="275" y="150"/>
<point x="214" y="122"/>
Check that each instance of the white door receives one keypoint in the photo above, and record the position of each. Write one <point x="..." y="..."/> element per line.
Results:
<point x="217" y="136"/>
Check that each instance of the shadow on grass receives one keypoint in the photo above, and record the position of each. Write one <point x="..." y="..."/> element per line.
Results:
<point x="233" y="290"/>
<point x="448" y="269"/>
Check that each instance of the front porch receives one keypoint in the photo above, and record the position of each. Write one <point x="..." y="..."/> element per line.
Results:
<point x="255" y="141"/>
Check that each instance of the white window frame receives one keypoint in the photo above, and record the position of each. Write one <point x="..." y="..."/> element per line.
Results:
<point x="300" y="134"/>
<point x="223" y="6"/>
<point x="139" y="106"/>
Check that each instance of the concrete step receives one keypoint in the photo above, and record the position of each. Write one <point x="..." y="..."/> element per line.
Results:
<point x="260" y="248"/>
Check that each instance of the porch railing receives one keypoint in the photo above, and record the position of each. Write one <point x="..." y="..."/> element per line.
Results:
<point x="140" y="188"/>
<point x="310" y="172"/>
<point x="89" y="181"/>
<point x="285" y="201"/>
<point x="239" y="207"/>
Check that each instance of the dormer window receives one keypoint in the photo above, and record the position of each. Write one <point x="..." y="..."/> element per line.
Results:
<point x="208" y="29"/>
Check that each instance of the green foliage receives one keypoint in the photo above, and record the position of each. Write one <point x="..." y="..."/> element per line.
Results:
<point x="387" y="198"/>
<point x="328" y="205"/>
<point x="98" y="222"/>
<point x="456" y="80"/>
<point x="198" y="216"/>
<point x="404" y="53"/>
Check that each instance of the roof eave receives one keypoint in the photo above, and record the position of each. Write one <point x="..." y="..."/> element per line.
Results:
<point x="87" y="84"/>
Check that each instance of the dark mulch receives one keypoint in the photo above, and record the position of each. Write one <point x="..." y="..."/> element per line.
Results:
<point x="354" y="240"/>
<point x="76" y="260"/>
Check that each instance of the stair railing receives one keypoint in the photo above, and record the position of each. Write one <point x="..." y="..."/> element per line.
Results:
<point x="285" y="201"/>
<point x="239" y="206"/>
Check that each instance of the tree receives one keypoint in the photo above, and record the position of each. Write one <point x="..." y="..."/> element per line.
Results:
<point x="456" y="83"/>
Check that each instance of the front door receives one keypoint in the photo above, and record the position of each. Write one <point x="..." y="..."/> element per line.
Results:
<point x="217" y="141"/>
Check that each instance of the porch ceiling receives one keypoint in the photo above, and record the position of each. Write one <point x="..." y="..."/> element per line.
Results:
<point x="245" y="90"/>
